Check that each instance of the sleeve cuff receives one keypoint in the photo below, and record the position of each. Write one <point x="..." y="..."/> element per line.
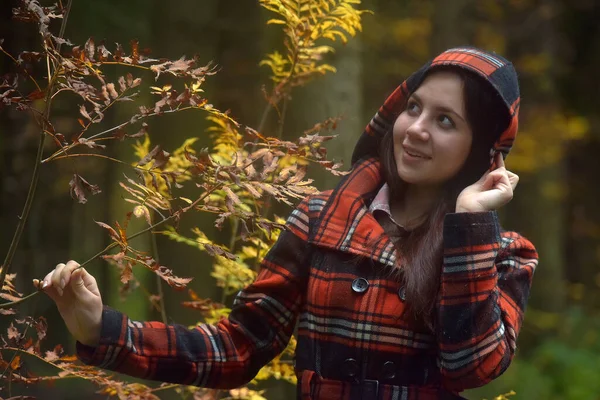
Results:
<point x="471" y="229"/>
<point x="85" y="353"/>
<point x="113" y="327"/>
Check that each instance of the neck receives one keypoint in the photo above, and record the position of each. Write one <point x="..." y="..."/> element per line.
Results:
<point x="415" y="205"/>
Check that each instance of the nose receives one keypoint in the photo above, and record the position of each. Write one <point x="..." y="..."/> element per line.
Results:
<point x="418" y="130"/>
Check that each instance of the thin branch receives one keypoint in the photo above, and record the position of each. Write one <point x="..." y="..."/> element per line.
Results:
<point x="34" y="180"/>
<point x="161" y="294"/>
<point x="114" y="128"/>
<point x="15" y="353"/>
<point x="184" y="173"/>
<point x="17" y="63"/>
<point x="115" y="244"/>
<point x="63" y="26"/>
<point x="93" y="120"/>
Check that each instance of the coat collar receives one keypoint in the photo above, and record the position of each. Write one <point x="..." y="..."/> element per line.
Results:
<point x="345" y="222"/>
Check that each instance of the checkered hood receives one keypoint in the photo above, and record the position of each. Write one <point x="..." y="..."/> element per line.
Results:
<point x="498" y="71"/>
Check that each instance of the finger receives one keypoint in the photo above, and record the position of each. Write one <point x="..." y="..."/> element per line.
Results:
<point x="494" y="177"/>
<point x="55" y="278"/>
<point x="500" y="160"/>
<point x="65" y="275"/>
<point x="83" y="281"/>
<point x="513" y="178"/>
<point x="46" y="286"/>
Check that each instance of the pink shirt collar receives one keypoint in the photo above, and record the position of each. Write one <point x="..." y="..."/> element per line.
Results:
<point x="381" y="204"/>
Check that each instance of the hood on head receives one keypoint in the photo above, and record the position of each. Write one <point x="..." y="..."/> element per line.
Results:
<point x="497" y="70"/>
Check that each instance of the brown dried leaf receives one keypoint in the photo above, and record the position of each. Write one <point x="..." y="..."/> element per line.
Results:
<point x="16" y="363"/>
<point x="300" y="174"/>
<point x="115" y="258"/>
<point x="13" y="332"/>
<point x="90" y="49"/>
<point x="9" y="297"/>
<point x="90" y="143"/>
<point x="252" y="190"/>
<point x="120" y="134"/>
<point x="111" y="90"/>
<point x="122" y="84"/>
<point x="118" y="56"/>
<point x="141" y="132"/>
<point x="41" y="327"/>
<point x="135" y="51"/>
<point x="173" y="281"/>
<point x="127" y="272"/>
<point x="159" y="156"/>
<point x="54" y="355"/>
<point x="79" y="188"/>
<point x="140" y="211"/>
<point x="234" y="198"/>
<point x="84" y="112"/>
<point x="102" y="53"/>
<point x="113" y="233"/>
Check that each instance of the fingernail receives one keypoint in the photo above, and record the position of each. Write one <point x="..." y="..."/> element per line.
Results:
<point x="62" y="283"/>
<point x="45" y="285"/>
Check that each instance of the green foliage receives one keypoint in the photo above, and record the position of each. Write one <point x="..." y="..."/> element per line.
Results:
<point x="562" y="366"/>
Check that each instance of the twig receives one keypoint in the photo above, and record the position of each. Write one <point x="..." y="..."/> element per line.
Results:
<point x="114" y="128"/>
<point x="24" y="70"/>
<point x="115" y="244"/>
<point x="34" y="179"/>
<point x="15" y="353"/>
<point x="161" y="294"/>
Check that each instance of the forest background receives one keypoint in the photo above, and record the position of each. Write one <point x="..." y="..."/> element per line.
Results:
<point x="555" y="46"/>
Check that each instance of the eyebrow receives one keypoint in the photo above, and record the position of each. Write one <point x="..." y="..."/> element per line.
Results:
<point x="440" y="108"/>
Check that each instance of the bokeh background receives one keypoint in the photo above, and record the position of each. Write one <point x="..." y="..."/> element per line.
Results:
<point x="555" y="46"/>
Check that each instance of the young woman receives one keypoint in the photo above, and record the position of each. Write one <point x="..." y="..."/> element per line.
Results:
<point x="401" y="280"/>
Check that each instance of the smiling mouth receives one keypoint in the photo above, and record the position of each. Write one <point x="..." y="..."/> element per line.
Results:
<point x="410" y="153"/>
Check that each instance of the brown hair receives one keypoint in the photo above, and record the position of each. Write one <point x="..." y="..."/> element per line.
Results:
<point x="421" y="250"/>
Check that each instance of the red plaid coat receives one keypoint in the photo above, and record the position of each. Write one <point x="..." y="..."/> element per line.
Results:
<point x="355" y="341"/>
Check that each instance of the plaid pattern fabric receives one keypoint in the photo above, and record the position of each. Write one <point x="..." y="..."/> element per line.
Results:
<point x="354" y="341"/>
<point x="498" y="71"/>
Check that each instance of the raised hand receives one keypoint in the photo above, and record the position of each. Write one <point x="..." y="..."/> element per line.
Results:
<point x="493" y="190"/>
<point x="78" y="299"/>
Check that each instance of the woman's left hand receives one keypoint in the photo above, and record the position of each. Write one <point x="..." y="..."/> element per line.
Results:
<point x="493" y="190"/>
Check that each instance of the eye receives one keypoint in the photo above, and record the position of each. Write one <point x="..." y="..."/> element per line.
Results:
<point x="412" y="108"/>
<point x="446" y="122"/>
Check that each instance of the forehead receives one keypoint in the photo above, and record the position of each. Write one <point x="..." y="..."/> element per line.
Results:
<point x="442" y="86"/>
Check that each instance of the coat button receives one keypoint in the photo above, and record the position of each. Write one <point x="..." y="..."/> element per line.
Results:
<point x="360" y="285"/>
<point x="402" y="293"/>
<point x="350" y="367"/>
<point x="389" y="370"/>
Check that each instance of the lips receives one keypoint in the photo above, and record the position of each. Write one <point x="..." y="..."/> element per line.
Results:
<point x="415" y="153"/>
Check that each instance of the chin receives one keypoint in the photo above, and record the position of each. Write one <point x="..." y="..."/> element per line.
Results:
<point x="407" y="177"/>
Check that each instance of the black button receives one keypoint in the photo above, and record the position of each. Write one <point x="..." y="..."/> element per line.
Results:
<point x="402" y="293"/>
<point x="360" y="285"/>
<point x="389" y="370"/>
<point x="350" y="367"/>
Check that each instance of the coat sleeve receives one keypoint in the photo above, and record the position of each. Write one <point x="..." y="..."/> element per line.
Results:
<point x="225" y="355"/>
<point x="485" y="283"/>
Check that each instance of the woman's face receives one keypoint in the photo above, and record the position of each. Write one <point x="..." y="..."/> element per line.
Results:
<point x="432" y="137"/>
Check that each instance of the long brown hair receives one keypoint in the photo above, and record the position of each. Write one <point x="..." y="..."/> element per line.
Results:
<point x="421" y="250"/>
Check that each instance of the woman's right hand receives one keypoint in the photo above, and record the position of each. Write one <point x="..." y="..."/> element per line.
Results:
<point x="78" y="299"/>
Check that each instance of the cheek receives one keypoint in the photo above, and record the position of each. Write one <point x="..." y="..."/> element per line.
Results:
<point x="456" y="153"/>
<point x="399" y="129"/>
<point x="398" y="133"/>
